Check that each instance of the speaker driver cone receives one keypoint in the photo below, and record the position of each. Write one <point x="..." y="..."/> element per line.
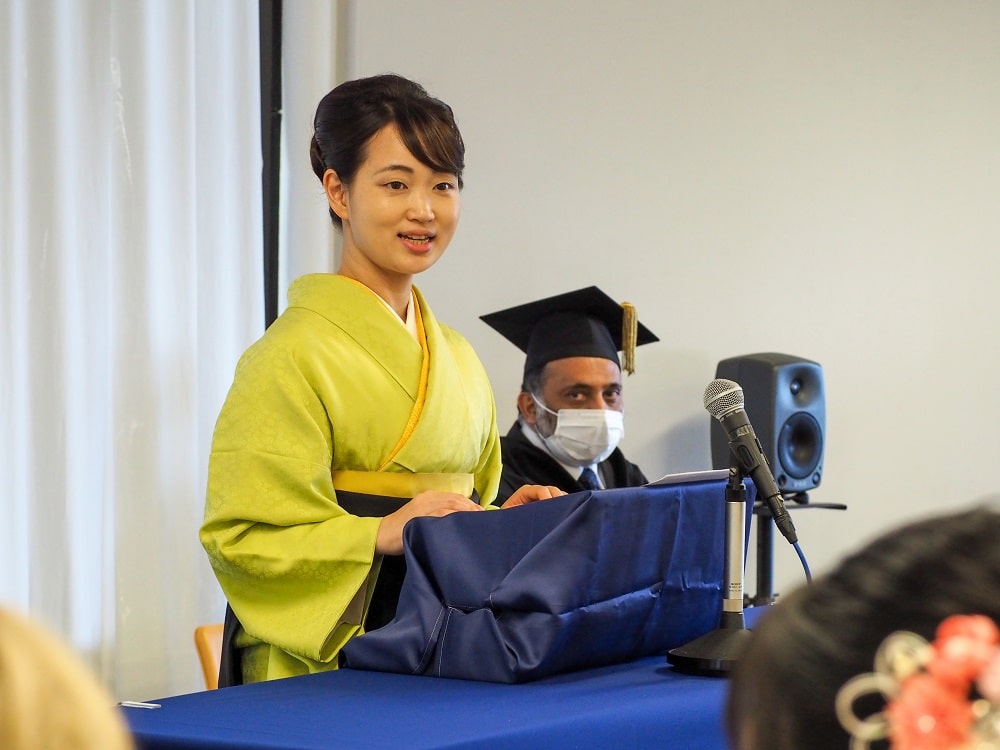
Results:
<point x="800" y="445"/>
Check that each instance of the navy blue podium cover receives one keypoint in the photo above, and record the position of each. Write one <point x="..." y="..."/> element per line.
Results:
<point x="580" y="581"/>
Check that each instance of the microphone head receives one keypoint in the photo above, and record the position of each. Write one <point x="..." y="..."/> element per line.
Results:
<point x="723" y="397"/>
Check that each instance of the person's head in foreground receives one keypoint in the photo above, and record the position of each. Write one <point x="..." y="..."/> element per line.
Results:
<point x="873" y="655"/>
<point x="48" y="697"/>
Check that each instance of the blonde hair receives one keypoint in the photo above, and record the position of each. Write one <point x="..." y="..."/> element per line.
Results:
<point x="49" y="699"/>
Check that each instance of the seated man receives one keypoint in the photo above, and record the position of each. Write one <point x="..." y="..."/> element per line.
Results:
<point x="570" y="409"/>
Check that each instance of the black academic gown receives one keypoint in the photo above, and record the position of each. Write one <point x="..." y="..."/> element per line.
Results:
<point x="523" y="463"/>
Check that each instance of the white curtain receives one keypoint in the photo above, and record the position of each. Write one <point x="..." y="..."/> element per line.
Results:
<point x="130" y="282"/>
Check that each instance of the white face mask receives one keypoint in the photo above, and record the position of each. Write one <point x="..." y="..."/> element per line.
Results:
<point x="583" y="436"/>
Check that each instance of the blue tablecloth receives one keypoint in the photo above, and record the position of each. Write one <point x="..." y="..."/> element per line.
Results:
<point x="642" y="704"/>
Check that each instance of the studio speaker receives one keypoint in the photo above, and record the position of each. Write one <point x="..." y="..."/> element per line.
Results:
<point x="786" y="403"/>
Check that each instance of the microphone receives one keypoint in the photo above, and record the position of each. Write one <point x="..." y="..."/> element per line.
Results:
<point x="724" y="401"/>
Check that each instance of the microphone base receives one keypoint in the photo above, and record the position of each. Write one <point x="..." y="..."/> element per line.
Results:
<point x="714" y="654"/>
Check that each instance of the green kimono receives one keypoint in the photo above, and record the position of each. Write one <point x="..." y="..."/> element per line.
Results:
<point x="336" y="384"/>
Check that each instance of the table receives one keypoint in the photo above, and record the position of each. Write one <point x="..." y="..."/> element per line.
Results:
<point x="638" y="704"/>
<point x="641" y="704"/>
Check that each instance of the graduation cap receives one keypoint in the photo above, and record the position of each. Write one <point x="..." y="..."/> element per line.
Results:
<point x="583" y="323"/>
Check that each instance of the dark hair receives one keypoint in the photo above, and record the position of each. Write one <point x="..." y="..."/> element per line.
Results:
<point x="351" y="114"/>
<point x="783" y="688"/>
<point x="533" y="380"/>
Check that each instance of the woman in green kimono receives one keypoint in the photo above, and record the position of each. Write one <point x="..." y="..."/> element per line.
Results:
<point x="357" y="410"/>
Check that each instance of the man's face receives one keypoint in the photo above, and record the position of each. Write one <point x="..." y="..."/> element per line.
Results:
<point x="574" y="383"/>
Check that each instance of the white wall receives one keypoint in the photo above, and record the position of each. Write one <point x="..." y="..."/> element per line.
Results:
<point x="818" y="179"/>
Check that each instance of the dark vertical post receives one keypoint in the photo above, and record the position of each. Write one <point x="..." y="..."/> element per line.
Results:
<point x="765" y="559"/>
<point x="270" y="128"/>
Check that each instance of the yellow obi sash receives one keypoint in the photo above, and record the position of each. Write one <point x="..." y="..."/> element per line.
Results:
<point x="401" y="484"/>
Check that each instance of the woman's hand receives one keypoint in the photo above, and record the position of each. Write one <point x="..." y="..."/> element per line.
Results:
<point x="529" y="493"/>
<point x="390" y="532"/>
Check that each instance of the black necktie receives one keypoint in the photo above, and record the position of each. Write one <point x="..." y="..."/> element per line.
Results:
<point x="589" y="479"/>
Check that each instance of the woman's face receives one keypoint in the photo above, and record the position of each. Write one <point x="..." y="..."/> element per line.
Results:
<point x="399" y="215"/>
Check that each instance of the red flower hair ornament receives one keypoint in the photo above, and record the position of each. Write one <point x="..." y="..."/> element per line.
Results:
<point x="943" y="695"/>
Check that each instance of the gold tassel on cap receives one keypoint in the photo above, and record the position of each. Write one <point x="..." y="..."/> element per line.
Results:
<point x="630" y="331"/>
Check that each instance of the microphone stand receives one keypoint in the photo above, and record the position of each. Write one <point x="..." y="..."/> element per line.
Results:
<point x="716" y="652"/>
